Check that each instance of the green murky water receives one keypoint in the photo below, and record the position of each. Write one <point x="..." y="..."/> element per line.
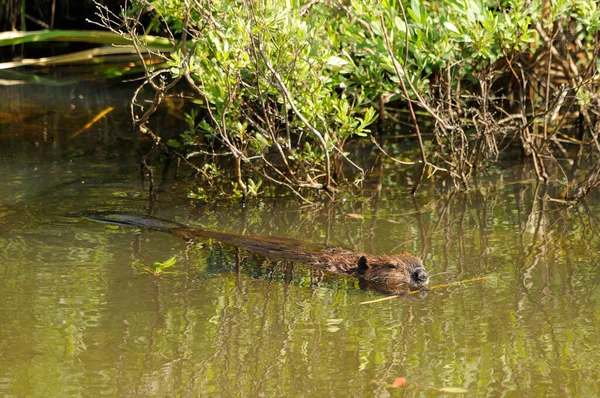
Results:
<point x="79" y="319"/>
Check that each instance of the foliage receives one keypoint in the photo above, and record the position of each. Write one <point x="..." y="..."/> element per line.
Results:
<point x="280" y="86"/>
<point x="488" y="75"/>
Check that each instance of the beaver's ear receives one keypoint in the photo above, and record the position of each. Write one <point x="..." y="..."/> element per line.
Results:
<point x="362" y="264"/>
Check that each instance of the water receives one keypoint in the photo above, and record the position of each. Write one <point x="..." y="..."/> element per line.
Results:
<point x="79" y="317"/>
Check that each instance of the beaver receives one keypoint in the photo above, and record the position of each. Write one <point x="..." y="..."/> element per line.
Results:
<point x="386" y="273"/>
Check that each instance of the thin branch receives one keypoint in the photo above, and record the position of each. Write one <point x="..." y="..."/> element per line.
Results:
<point x="282" y="88"/>
<point x="405" y="91"/>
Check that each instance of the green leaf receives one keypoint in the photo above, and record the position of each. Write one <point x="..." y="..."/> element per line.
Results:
<point x="169" y="263"/>
<point x="336" y="61"/>
<point x="451" y="27"/>
<point x="414" y="16"/>
<point x="174" y="143"/>
<point x="399" y="24"/>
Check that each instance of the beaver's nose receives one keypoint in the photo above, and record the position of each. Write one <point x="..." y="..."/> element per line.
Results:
<point x="420" y="276"/>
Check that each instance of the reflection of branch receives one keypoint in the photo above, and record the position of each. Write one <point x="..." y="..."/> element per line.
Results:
<point x="591" y="181"/>
<point x="592" y="219"/>
<point x="390" y="156"/>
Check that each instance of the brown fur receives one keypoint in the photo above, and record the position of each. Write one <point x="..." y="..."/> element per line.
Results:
<point x="390" y="274"/>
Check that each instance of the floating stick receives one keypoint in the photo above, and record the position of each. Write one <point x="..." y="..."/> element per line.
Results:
<point x="431" y="288"/>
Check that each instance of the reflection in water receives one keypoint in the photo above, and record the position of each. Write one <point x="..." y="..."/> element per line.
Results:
<point x="79" y="319"/>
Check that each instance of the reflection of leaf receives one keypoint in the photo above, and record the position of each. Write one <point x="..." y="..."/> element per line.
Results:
<point x="454" y="390"/>
<point x="140" y="266"/>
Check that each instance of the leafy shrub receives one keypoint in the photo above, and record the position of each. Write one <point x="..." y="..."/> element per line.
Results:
<point x="281" y="85"/>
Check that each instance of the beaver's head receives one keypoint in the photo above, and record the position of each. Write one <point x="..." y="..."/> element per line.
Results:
<point x="395" y="271"/>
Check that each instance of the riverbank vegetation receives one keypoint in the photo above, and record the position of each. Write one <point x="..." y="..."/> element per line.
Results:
<point x="280" y="87"/>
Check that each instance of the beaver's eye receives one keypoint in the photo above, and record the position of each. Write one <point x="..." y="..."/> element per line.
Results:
<point x="392" y="266"/>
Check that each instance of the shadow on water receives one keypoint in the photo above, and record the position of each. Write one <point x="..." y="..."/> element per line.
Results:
<point x="79" y="318"/>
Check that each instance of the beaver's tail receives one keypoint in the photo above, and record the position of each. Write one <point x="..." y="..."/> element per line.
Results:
<point x="130" y="220"/>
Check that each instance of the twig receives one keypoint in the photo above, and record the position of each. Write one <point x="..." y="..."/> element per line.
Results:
<point x="431" y="288"/>
<point x="405" y="91"/>
<point x="282" y="88"/>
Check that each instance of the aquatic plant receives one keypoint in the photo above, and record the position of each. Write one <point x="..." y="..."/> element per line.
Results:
<point x="157" y="268"/>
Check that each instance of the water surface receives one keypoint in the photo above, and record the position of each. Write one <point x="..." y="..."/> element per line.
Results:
<point x="80" y="319"/>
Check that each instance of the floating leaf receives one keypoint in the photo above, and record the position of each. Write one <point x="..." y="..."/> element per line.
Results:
<point x="399" y="382"/>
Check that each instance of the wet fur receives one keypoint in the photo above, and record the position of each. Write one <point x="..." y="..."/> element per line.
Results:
<point x="390" y="273"/>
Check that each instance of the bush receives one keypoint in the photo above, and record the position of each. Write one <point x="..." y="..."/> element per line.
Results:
<point x="280" y="85"/>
